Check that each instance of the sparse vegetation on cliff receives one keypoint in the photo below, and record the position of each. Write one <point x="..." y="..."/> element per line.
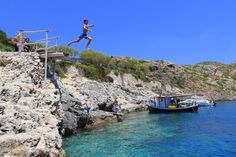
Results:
<point x="97" y="65"/>
<point x="206" y="77"/>
<point x="4" y="42"/>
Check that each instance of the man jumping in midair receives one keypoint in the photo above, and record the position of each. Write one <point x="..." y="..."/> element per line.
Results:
<point x="83" y="35"/>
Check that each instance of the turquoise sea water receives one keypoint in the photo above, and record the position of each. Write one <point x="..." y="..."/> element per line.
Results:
<point x="209" y="133"/>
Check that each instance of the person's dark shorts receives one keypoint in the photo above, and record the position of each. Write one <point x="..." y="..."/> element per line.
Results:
<point x="87" y="108"/>
<point x="83" y="36"/>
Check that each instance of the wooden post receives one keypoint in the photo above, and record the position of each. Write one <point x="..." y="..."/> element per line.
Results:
<point x="20" y="42"/>
<point x="46" y="55"/>
<point x="53" y="68"/>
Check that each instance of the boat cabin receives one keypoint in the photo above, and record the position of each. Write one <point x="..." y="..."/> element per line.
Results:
<point x="167" y="101"/>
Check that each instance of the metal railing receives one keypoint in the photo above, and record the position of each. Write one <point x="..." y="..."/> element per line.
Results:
<point x="45" y="41"/>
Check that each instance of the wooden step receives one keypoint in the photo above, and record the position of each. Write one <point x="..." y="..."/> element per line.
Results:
<point x="53" y="55"/>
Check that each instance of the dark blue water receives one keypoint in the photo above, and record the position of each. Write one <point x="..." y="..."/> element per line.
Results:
<point x="209" y="133"/>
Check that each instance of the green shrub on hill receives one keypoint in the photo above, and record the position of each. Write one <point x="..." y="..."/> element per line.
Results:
<point x="60" y="70"/>
<point x="3" y="37"/>
<point x="96" y="66"/>
<point x="132" y="66"/>
<point x="6" y="48"/>
<point x="181" y="82"/>
<point x="94" y="58"/>
<point x="4" y="42"/>
<point x="90" y="72"/>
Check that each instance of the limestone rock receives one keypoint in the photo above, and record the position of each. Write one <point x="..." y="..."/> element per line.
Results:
<point x="28" y="121"/>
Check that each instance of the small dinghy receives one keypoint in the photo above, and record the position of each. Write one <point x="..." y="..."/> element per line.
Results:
<point x="200" y="102"/>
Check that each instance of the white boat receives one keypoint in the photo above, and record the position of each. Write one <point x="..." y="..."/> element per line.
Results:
<point x="200" y="102"/>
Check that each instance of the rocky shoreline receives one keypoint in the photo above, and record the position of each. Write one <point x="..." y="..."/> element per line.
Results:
<point x="35" y="114"/>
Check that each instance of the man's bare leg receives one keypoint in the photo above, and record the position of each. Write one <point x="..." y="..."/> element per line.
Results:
<point x="74" y="41"/>
<point x="89" y="41"/>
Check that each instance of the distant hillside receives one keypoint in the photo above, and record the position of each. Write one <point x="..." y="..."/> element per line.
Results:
<point x="210" y="63"/>
<point x="216" y="80"/>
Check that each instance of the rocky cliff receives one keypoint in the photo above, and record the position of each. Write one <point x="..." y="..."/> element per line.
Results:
<point x="30" y="108"/>
<point x="34" y="112"/>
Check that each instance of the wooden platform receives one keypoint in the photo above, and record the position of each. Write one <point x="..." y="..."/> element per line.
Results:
<point x="51" y="54"/>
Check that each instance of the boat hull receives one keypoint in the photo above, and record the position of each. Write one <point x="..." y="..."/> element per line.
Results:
<point x="206" y="104"/>
<point x="172" y="110"/>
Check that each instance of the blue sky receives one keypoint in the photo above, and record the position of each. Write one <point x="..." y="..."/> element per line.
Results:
<point x="182" y="31"/>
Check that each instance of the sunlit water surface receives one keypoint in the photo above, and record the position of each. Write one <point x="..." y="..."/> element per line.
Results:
<point x="209" y="133"/>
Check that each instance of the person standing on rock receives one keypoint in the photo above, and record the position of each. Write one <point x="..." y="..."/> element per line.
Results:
<point x="84" y="35"/>
<point x="116" y="108"/>
<point x="115" y="105"/>
<point x="88" y="105"/>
